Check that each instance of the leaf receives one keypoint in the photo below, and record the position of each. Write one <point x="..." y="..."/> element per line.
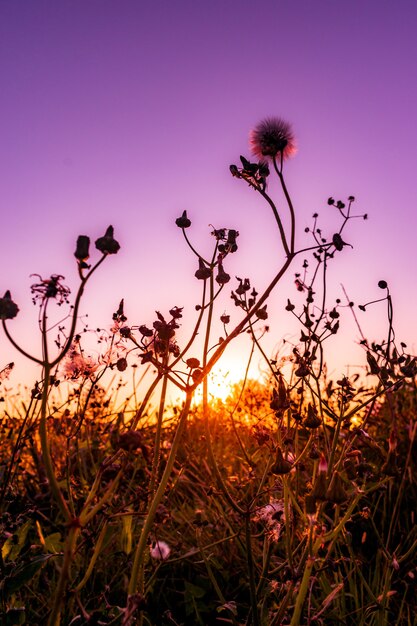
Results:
<point x="14" y="544"/>
<point x="54" y="544"/>
<point x="194" y="590"/>
<point x="23" y="573"/>
<point x="126" y="537"/>
<point x="16" y="616"/>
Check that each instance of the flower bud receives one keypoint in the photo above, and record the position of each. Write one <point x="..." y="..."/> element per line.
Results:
<point x="312" y="420"/>
<point x="203" y="271"/>
<point x="130" y="440"/>
<point x="121" y="364"/>
<point x="281" y="465"/>
<point x="8" y="308"/>
<point x="107" y="244"/>
<point x="193" y="363"/>
<point x="338" y="242"/>
<point x="183" y="221"/>
<point x="222" y="277"/>
<point x="336" y="492"/>
<point x="262" y="313"/>
<point x="82" y="251"/>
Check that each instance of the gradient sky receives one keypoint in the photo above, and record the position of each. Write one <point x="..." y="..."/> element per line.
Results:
<point x="127" y="112"/>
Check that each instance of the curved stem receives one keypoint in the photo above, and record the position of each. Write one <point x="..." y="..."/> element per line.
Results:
<point x="18" y="348"/>
<point x="78" y="297"/>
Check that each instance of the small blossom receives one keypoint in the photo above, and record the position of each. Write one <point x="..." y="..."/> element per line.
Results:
<point x="271" y="137"/>
<point x="76" y="365"/>
<point x="160" y="550"/>
<point x="8" y="308"/>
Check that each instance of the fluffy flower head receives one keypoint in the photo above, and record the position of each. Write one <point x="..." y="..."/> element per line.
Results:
<point x="271" y="137"/>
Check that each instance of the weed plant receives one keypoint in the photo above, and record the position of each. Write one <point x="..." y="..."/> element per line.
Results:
<point x="292" y="502"/>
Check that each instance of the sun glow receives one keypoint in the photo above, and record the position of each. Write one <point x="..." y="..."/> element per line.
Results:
<point x="220" y="386"/>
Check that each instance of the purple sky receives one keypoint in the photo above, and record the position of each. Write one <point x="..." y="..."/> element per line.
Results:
<point x="127" y="112"/>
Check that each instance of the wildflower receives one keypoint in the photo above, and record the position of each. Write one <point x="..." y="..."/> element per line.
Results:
<point x="160" y="550"/>
<point x="50" y="288"/>
<point x="271" y="137"/>
<point x="75" y="364"/>
<point x="272" y="515"/>
<point x="108" y="244"/>
<point x="8" y="308"/>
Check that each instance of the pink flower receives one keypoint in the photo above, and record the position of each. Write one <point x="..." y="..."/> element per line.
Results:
<point x="76" y="365"/>
<point x="160" y="550"/>
<point x="271" y="137"/>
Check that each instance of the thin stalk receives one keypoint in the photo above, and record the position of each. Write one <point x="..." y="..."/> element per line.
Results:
<point x="251" y="572"/>
<point x="149" y="519"/>
<point x="70" y="543"/>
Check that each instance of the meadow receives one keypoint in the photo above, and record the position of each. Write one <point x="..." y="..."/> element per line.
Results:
<point x="292" y="501"/>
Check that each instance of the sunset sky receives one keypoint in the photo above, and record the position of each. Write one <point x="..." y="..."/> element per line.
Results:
<point x="128" y="112"/>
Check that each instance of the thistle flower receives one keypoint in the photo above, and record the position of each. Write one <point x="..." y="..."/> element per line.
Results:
<point x="271" y="137"/>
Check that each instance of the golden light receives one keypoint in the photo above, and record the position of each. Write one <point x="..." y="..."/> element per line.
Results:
<point x="220" y="386"/>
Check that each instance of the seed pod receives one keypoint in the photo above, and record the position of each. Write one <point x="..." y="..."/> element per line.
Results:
<point x="312" y="420"/>
<point x="193" y="363"/>
<point x="281" y="465"/>
<point x="336" y="492"/>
